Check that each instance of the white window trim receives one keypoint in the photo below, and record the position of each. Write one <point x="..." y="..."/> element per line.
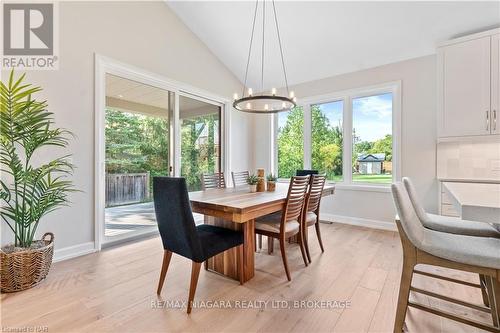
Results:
<point x="347" y="96"/>
<point x="105" y="65"/>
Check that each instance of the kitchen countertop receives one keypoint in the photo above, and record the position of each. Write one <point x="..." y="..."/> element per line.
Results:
<point x="467" y="180"/>
<point x="475" y="194"/>
<point x="476" y="201"/>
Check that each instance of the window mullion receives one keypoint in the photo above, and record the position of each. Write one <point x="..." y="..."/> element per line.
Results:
<point x="347" y="141"/>
<point x="307" y="137"/>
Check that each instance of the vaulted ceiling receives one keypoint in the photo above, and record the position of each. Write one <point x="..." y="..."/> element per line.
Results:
<point x="323" y="39"/>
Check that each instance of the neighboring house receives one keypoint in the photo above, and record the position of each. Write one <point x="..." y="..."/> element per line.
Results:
<point x="371" y="164"/>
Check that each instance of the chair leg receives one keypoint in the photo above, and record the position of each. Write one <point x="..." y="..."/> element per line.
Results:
<point x="195" y="272"/>
<point x="496" y="293"/>
<point x="404" y="294"/>
<point x="283" y="257"/>
<point x="260" y="242"/>
<point x="270" y="245"/>
<point x="484" y="294"/>
<point x="306" y="244"/>
<point x="318" y="233"/>
<point x="240" y="259"/>
<point x="491" y="288"/>
<point x="164" y="267"/>
<point x="302" y="249"/>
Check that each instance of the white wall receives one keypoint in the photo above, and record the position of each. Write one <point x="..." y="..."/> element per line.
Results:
<point x="418" y="149"/>
<point x="146" y="35"/>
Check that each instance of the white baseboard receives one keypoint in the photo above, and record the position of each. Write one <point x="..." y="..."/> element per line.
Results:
<point x="73" y="251"/>
<point x="375" y="224"/>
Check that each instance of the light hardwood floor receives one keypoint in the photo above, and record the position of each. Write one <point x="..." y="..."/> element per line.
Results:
<point x="115" y="290"/>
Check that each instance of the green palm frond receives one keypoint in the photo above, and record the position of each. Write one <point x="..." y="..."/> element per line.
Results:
<point x="31" y="192"/>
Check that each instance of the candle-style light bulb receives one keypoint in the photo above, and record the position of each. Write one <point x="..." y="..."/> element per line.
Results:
<point x="266" y="107"/>
<point x="250" y="92"/>
<point x="283" y="105"/>
<point x="235" y="96"/>
<point x="248" y="106"/>
<point x="273" y="91"/>
<point x="292" y="94"/>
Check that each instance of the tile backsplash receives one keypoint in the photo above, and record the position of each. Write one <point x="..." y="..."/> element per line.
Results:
<point x="477" y="159"/>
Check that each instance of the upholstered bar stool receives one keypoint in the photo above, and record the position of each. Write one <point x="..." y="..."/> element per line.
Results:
<point x="448" y="224"/>
<point x="421" y="245"/>
<point x="452" y="225"/>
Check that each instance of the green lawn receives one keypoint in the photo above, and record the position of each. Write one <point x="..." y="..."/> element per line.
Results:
<point x="379" y="179"/>
<point x="376" y="179"/>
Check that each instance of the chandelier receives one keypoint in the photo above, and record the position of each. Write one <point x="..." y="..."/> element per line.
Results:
<point x="263" y="102"/>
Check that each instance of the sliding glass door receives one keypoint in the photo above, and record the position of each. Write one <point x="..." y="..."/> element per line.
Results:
<point x="137" y="148"/>
<point x="200" y="139"/>
<point x="148" y="126"/>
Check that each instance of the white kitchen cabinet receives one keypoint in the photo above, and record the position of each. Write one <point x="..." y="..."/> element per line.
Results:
<point x="495" y="84"/>
<point x="468" y="86"/>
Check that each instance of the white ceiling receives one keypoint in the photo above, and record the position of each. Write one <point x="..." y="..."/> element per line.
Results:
<point x="136" y="92"/>
<point x="138" y="97"/>
<point x="323" y="39"/>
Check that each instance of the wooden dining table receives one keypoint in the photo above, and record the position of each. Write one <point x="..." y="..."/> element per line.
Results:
<point x="237" y="208"/>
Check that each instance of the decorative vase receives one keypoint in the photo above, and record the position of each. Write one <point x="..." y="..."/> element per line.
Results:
<point x="25" y="269"/>
<point x="271" y="186"/>
<point x="253" y="188"/>
<point x="261" y="185"/>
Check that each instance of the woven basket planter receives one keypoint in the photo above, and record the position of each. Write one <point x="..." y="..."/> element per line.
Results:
<point x="25" y="269"/>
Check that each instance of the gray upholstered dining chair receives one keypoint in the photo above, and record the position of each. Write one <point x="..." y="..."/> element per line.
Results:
<point x="421" y="245"/>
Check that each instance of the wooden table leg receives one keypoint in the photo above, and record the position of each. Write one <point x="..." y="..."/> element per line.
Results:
<point x="248" y="249"/>
<point x="226" y="263"/>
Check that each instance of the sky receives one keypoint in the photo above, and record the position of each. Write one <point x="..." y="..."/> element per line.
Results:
<point x="372" y="116"/>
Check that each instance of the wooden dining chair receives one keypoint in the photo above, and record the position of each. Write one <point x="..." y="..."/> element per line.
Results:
<point x="240" y="178"/>
<point x="180" y="235"/>
<point x="288" y="223"/>
<point x="311" y="210"/>
<point x="212" y="180"/>
<point x="478" y="255"/>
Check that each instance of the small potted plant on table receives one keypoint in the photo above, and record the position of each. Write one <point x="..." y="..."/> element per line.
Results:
<point x="252" y="180"/>
<point x="31" y="190"/>
<point x="271" y="182"/>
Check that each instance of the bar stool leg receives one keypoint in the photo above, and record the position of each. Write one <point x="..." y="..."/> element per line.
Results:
<point x="404" y="294"/>
<point x="484" y="294"/>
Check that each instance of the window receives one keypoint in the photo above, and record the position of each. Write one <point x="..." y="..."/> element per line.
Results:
<point x="372" y="139"/>
<point x="326" y="139"/>
<point x="347" y="135"/>
<point x="290" y="141"/>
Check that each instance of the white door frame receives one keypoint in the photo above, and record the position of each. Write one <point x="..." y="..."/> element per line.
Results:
<point x="105" y="65"/>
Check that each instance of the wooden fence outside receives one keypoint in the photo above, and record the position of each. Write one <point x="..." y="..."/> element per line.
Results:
<point x="126" y="188"/>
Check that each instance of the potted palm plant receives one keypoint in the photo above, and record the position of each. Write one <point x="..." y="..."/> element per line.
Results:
<point x="252" y="180"/>
<point x="28" y="191"/>
<point x="271" y="182"/>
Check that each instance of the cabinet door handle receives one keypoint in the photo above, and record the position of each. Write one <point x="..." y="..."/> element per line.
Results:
<point x="488" y="121"/>
<point x="494" y="120"/>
